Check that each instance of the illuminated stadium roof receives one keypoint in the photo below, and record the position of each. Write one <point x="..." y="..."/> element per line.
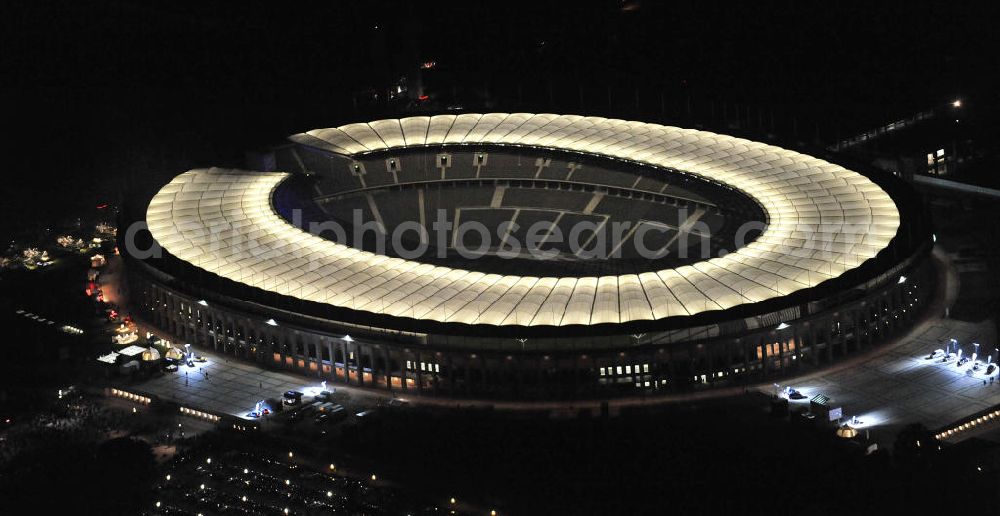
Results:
<point x="822" y="220"/>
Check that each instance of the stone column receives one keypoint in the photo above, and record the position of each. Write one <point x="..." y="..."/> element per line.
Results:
<point x="781" y="343"/>
<point x="870" y="328"/>
<point x="333" y="361"/>
<point x="468" y="375"/>
<point x="517" y="365"/>
<point x="451" y="374"/>
<point x="416" y="369"/>
<point x="745" y="345"/>
<point x="706" y="351"/>
<point x="484" y="382"/>
<point x="829" y="343"/>
<point x="765" y="359"/>
<point x="437" y="375"/>
<point x="358" y="360"/>
<point x="813" y="344"/>
<point x="843" y="335"/>
<point x="388" y="368"/>
<point x="576" y="374"/>
<point x="797" y="352"/>
<point x="856" y="322"/>
<point x="343" y="356"/>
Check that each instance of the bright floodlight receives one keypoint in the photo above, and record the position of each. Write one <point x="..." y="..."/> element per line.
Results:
<point x="956" y="103"/>
<point x="271" y="322"/>
<point x="782" y="326"/>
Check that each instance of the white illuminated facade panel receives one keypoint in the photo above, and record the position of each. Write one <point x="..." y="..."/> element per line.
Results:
<point x="823" y="220"/>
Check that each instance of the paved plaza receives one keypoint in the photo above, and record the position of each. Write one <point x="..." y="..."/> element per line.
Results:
<point x="898" y="386"/>
<point x="227" y="386"/>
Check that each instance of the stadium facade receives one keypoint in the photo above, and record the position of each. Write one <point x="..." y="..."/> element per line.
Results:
<point x="765" y="260"/>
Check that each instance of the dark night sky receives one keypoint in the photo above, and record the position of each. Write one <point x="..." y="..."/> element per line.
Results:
<point x="92" y="89"/>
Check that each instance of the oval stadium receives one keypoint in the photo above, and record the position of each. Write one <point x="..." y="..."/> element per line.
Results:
<point x="531" y="256"/>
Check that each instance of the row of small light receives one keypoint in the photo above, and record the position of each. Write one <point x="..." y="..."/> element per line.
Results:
<point x="197" y="413"/>
<point x="968" y="425"/>
<point x="132" y="397"/>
